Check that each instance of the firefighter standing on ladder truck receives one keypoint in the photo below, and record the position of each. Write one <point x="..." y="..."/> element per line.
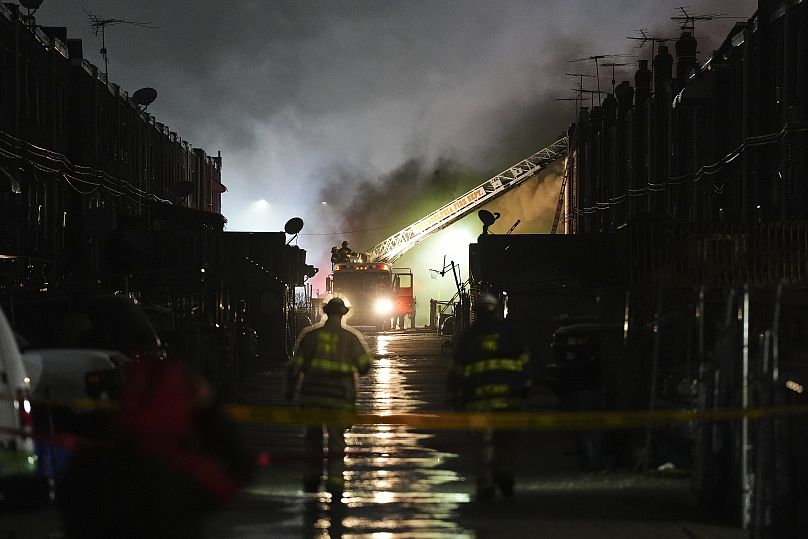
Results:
<point x="323" y="373"/>
<point x="490" y="372"/>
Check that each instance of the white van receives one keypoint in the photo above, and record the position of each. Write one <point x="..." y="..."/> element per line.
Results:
<point x="17" y="457"/>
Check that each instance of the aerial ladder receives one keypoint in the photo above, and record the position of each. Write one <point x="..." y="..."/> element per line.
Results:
<point x="389" y="250"/>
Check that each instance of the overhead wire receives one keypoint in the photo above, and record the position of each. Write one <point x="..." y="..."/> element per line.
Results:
<point x="39" y="158"/>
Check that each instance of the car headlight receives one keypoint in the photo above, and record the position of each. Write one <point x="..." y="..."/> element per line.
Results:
<point x="383" y="306"/>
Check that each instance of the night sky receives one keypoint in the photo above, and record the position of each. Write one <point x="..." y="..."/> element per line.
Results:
<point x="383" y="110"/>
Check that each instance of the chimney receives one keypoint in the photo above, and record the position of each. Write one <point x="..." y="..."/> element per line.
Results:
<point x="609" y="110"/>
<point x="595" y="119"/>
<point x="663" y="68"/>
<point x="74" y="48"/>
<point x="685" y="55"/>
<point x="625" y="97"/>
<point x="642" y="81"/>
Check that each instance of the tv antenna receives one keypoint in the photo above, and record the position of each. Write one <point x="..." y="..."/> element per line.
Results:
<point x="452" y="265"/>
<point x="591" y="93"/>
<point x="597" y="58"/>
<point x="644" y="38"/>
<point x="580" y="85"/>
<point x="613" y="65"/>
<point x="99" y="26"/>
<point x="687" y="20"/>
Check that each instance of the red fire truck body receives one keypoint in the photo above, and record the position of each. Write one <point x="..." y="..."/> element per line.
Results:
<point x="378" y="294"/>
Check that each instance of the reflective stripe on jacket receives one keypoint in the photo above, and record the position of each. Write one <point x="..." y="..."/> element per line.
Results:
<point x="326" y="364"/>
<point x="490" y="369"/>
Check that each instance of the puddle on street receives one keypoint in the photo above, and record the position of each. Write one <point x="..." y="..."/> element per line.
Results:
<point x="396" y="484"/>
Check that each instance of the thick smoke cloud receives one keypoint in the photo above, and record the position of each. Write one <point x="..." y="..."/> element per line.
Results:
<point x="382" y="110"/>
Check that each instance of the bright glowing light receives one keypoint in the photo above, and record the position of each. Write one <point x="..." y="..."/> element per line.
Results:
<point x="381" y="346"/>
<point x="324" y="203"/>
<point x="794" y="386"/>
<point x="383" y="306"/>
<point x="383" y="497"/>
<point x="262" y="203"/>
<point x="454" y="243"/>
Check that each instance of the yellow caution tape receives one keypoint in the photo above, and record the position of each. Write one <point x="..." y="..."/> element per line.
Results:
<point x="586" y="420"/>
<point x="592" y="420"/>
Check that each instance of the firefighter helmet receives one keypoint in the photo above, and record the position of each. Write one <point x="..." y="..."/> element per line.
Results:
<point x="335" y="306"/>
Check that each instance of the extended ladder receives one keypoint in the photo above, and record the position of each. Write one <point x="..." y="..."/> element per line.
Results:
<point x="399" y="243"/>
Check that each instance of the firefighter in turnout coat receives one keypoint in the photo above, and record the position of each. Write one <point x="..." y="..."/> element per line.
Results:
<point x="490" y="372"/>
<point x="323" y="373"/>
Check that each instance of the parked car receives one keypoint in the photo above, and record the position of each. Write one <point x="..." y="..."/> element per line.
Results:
<point x="85" y="321"/>
<point x="19" y="484"/>
<point x="59" y="379"/>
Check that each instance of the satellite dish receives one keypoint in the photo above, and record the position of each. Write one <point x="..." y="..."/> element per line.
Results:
<point x="183" y="189"/>
<point x="293" y="225"/>
<point x="144" y="97"/>
<point x="31" y="4"/>
<point x="487" y="217"/>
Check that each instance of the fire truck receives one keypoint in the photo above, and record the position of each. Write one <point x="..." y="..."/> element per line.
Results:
<point x="380" y="294"/>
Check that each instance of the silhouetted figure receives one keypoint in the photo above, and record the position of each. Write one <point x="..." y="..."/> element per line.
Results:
<point x="344" y="253"/>
<point x="490" y="373"/>
<point x="172" y="458"/>
<point x="323" y="373"/>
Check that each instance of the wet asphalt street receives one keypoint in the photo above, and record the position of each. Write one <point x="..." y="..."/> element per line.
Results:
<point x="403" y="483"/>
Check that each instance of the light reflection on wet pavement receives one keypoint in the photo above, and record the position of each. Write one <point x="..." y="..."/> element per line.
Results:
<point x="398" y="482"/>
<point x="409" y="484"/>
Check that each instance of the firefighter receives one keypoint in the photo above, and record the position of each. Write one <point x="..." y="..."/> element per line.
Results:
<point x="323" y="373"/>
<point x="490" y="372"/>
<point x="345" y="253"/>
<point x="335" y="256"/>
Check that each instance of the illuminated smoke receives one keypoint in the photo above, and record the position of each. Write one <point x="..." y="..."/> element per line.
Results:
<point x="534" y="203"/>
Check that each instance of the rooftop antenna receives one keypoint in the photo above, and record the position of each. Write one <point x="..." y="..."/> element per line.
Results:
<point x="99" y="26"/>
<point x="597" y="58"/>
<point x="687" y="20"/>
<point x="644" y="38"/>
<point x="455" y="267"/>
<point x="580" y="84"/>
<point x="613" y="65"/>
<point x="591" y="94"/>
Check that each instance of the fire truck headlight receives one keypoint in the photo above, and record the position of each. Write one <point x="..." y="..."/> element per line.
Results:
<point x="383" y="306"/>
